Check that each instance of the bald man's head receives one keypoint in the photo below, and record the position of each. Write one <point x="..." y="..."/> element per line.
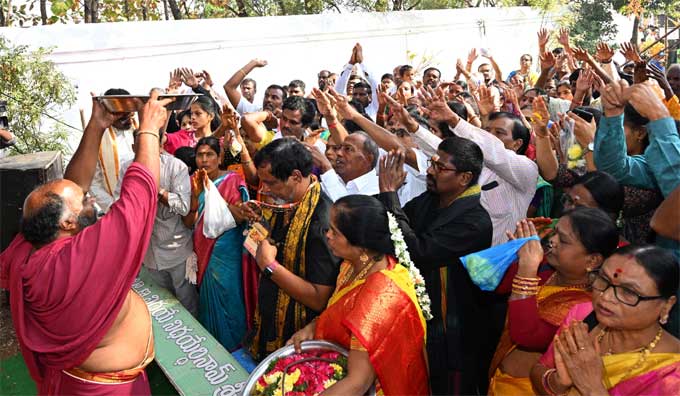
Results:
<point x="55" y="209"/>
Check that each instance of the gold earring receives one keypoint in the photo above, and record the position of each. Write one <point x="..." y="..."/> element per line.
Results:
<point x="363" y="258"/>
<point x="664" y="319"/>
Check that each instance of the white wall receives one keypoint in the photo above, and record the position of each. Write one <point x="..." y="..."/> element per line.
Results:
<point x="139" y="55"/>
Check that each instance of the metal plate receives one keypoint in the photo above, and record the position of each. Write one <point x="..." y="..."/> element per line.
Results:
<point x="134" y="103"/>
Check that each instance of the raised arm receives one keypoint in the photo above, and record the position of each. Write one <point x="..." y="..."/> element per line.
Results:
<point x="253" y="125"/>
<point x="666" y="219"/>
<point x="545" y="156"/>
<point x="326" y="101"/>
<point x="610" y="144"/>
<point x="343" y="78"/>
<point x="80" y="169"/>
<point x="231" y="87"/>
<point x="383" y="138"/>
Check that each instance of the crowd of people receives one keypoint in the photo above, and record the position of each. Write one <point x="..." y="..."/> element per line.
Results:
<point x="361" y="196"/>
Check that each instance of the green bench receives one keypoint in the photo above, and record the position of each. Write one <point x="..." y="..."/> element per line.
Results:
<point x="192" y="360"/>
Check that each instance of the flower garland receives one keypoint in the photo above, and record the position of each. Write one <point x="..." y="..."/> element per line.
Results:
<point x="401" y="251"/>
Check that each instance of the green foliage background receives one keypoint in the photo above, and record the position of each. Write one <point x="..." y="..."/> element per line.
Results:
<point x="33" y="87"/>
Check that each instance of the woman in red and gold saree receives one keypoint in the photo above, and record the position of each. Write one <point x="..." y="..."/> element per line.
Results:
<point x="617" y="344"/>
<point x="540" y="299"/>
<point x="375" y="311"/>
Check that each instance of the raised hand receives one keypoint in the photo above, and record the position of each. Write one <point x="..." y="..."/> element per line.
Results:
<point x="353" y="57"/>
<point x="359" y="58"/>
<point x="259" y="62"/>
<point x="630" y="52"/>
<point x="230" y="118"/>
<point x="584" y="80"/>
<point x="604" y="53"/>
<point x="543" y="37"/>
<point x="486" y="101"/>
<point x="531" y="254"/>
<point x="198" y="182"/>
<point x="540" y="117"/>
<point x="460" y="68"/>
<point x="439" y="110"/>
<point x="472" y="56"/>
<point x="153" y="115"/>
<point x="391" y="173"/>
<point x="188" y="77"/>
<point x="655" y="73"/>
<point x="581" y="54"/>
<point x="207" y="79"/>
<point x="175" y="80"/>
<point x="547" y="60"/>
<point x="584" y="131"/>
<point x="563" y="39"/>
<point x="342" y="106"/>
<point x="613" y="97"/>
<point x="323" y="102"/>
<point x="101" y="118"/>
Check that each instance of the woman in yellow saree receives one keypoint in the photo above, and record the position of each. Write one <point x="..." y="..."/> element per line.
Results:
<point x="542" y="297"/>
<point x="617" y="344"/>
<point x="375" y="311"/>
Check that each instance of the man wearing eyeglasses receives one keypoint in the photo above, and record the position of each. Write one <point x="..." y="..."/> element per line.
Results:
<point x="439" y="226"/>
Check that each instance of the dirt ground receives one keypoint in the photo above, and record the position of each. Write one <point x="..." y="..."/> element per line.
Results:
<point x="8" y="340"/>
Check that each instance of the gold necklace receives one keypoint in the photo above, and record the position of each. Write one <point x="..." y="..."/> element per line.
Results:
<point x="644" y="351"/>
<point x="364" y="270"/>
<point x="553" y="277"/>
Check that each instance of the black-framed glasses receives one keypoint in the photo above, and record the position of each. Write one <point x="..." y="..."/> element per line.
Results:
<point x="439" y="166"/>
<point x="622" y="293"/>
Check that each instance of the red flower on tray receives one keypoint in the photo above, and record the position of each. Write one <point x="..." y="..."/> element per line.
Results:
<point x="306" y="374"/>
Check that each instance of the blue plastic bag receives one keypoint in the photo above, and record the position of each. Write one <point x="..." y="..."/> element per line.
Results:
<point x="487" y="267"/>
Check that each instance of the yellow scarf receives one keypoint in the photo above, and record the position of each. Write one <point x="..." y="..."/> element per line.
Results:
<point x="294" y="261"/>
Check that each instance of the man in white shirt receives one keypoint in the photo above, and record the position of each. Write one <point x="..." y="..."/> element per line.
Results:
<point x="296" y="116"/>
<point x="509" y="177"/>
<point x="115" y="149"/>
<point x="171" y="242"/>
<point x="370" y="102"/>
<point x="244" y="101"/>
<point x="354" y="170"/>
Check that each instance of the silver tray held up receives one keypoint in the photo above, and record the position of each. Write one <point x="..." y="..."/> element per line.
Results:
<point x="134" y="103"/>
<point x="305" y="346"/>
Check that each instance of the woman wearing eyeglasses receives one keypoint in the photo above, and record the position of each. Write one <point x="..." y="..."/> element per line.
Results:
<point x="617" y="344"/>
<point x="540" y="299"/>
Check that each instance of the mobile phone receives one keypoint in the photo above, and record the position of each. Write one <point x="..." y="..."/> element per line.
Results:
<point x="587" y="116"/>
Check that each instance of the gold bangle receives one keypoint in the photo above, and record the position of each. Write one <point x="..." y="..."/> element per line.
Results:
<point x="524" y="293"/>
<point x="242" y="72"/>
<point x="523" y="282"/>
<point x="527" y="279"/>
<point x="246" y="162"/>
<point x="147" y="133"/>
<point x="525" y="288"/>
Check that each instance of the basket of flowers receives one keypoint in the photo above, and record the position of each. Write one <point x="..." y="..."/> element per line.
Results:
<point x="318" y="366"/>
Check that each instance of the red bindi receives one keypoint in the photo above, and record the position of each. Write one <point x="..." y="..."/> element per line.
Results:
<point x="617" y="272"/>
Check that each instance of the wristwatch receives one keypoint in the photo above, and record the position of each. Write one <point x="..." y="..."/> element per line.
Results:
<point x="268" y="271"/>
<point x="589" y="148"/>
